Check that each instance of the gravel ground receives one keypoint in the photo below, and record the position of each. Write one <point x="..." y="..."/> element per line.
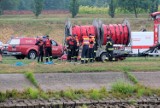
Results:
<point x="62" y="81"/>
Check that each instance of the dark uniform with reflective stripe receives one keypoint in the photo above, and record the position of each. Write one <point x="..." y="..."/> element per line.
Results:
<point x="40" y="44"/>
<point x="91" y="48"/>
<point x="48" y="49"/>
<point x="71" y="43"/>
<point x="85" y="43"/>
<point x="109" y="49"/>
<point x="76" y="49"/>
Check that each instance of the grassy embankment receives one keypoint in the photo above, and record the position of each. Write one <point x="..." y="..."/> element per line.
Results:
<point x="129" y="64"/>
<point x="28" y="25"/>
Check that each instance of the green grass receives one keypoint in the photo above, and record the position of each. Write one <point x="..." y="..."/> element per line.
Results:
<point x="131" y="77"/>
<point x="134" y="64"/>
<point x="32" y="93"/>
<point x="123" y="88"/>
<point x="119" y="90"/>
<point x="30" y="76"/>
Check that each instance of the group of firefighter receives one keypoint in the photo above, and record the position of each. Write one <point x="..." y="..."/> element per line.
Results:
<point x="88" y="45"/>
<point x="44" y="45"/>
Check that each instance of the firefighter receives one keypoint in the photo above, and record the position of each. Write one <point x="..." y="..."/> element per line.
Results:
<point x="40" y="44"/>
<point x="68" y="48"/>
<point x="1" y="52"/>
<point x="85" y="48"/>
<point x="71" y="42"/>
<point x="91" y="48"/>
<point x="109" y="48"/>
<point x="76" y="48"/>
<point x="48" y="49"/>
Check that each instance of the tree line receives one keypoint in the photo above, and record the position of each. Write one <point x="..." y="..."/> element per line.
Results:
<point x="132" y="6"/>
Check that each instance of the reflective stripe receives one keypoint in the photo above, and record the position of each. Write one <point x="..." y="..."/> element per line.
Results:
<point x="82" y="58"/>
<point x="86" y="58"/>
<point x="85" y="40"/>
<point x="110" y="43"/>
<point x="106" y="58"/>
<point x="110" y="49"/>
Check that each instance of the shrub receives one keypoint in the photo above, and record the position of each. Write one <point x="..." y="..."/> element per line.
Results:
<point x="92" y="10"/>
<point x="69" y="94"/>
<point x="95" y="94"/>
<point x="32" y="93"/>
<point x="2" y="97"/>
<point x="123" y="88"/>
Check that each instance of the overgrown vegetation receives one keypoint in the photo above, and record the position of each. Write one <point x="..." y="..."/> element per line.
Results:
<point x="120" y="89"/>
<point x="131" y="77"/>
<point x="30" y="76"/>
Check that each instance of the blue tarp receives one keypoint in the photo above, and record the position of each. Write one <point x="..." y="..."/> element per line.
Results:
<point x="49" y="63"/>
<point x="19" y="64"/>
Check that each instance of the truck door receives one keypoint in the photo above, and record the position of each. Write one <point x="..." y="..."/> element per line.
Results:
<point x="56" y="51"/>
<point x="159" y="33"/>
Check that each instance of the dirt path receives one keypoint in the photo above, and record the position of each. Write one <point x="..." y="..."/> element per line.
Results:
<point x="62" y="81"/>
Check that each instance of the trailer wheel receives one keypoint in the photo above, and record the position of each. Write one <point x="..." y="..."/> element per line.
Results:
<point x="103" y="57"/>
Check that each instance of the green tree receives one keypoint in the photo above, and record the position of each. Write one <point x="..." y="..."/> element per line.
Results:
<point x="38" y="7"/>
<point x="8" y="5"/>
<point x="112" y="8"/>
<point x="25" y="5"/>
<point x="74" y="7"/>
<point x="135" y="6"/>
<point x="154" y="6"/>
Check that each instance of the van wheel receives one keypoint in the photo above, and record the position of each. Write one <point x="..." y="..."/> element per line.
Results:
<point x="32" y="54"/>
<point x="103" y="56"/>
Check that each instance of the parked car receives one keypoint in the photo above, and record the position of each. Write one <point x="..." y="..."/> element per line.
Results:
<point x="1" y="45"/>
<point x="22" y="47"/>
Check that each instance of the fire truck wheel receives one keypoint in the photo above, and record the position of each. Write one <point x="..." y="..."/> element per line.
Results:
<point x="103" y="57"/>
<point x="32" y="54"/>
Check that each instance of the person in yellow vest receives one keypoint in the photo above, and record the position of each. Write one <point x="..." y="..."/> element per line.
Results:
<point x="109" y="48"/>
<point x="85" y="48"/>
<point x="91" y="47"/>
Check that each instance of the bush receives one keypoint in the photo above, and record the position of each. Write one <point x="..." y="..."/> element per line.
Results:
<point x="32" y="93"/>
<point x="92" y="10"/>
<point x="123" y="88"/>
<point x="95" y="94"/>
<point x="69" y="94"/>
<point x="2" y="97"/>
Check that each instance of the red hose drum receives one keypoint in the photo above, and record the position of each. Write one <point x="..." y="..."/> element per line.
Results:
<point x="118" y="32"/>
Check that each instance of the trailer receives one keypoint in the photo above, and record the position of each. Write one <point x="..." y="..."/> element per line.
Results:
<point x="127" y="43"/>
<point x="120" y="34"/>
<point x="146" y="43"/>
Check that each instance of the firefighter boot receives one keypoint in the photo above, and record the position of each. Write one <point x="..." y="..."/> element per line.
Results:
<point x="51" y="58"/>
<point x="82" y="61"/>
<point x="46" y="59"/>
<point x="75" y="59"/>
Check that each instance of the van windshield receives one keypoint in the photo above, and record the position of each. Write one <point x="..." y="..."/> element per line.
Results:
<point x="14" y="42"/>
